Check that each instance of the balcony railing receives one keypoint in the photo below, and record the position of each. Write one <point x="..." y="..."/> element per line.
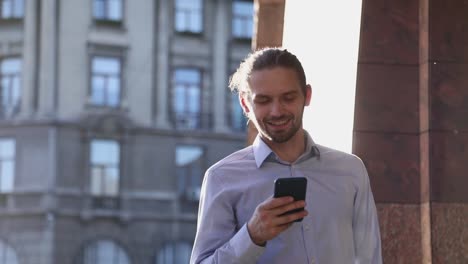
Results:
<point x="192" y="121"/>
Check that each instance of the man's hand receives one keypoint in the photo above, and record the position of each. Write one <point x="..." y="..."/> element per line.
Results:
<point x="267" y="221"/>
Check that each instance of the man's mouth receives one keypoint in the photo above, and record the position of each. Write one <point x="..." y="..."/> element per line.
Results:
<point x="279" y="124"/>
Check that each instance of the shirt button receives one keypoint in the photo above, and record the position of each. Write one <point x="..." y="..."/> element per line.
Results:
<point x="306" y="227"/>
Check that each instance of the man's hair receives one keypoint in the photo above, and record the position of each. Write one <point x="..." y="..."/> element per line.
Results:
<point x="266" y="58"/>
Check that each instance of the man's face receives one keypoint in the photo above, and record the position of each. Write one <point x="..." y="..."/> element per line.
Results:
<point x="276" y="103"/>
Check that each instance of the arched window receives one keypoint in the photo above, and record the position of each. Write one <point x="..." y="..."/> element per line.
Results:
<point x="174" y="253"/>
<point x="104" y="252"/>
<point x="7" y="254"/>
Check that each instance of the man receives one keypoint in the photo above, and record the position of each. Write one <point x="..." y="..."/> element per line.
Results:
<point x="239" y="221"/>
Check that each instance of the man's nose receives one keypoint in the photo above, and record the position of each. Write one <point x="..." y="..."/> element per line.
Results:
<point x="276" y="109"/>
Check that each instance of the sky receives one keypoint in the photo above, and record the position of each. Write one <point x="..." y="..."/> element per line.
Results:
<point x="325" y="37"/>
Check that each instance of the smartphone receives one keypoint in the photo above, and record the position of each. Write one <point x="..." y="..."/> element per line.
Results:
<point x="293" y="186"/>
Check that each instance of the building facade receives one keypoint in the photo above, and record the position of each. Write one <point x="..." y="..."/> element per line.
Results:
<point x="110" y="111"/>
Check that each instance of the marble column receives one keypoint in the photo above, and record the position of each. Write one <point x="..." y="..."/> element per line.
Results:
<point x="220" y="54"/>
<point x="411" y="126"/>
<point x="162" y="61"/>
<point x="48" y="50"/>
<point x="29" y="66"/>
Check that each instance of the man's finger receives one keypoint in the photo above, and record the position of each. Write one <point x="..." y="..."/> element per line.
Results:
<point x="273" y="203"/>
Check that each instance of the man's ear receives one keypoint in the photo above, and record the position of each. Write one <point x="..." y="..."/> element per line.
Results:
<point x="308" y="95"/>
<point x="244" y="103"/>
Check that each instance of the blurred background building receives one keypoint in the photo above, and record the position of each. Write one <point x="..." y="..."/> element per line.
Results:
<point x="111" y="110"/>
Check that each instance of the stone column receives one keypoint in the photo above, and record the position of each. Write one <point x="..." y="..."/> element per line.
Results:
<point x="411" y="126"/>
<point x="29" y="65"/>
<point x="219" y="65"/>
<point x="162" y="63"/>
<point x="268" y="32"/>
<point x="48" y="58"/>
<point x="448" y="129"/>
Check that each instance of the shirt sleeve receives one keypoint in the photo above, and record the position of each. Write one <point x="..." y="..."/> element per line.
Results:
<point x="366" y="231"/>
<point x="218" y="239"/>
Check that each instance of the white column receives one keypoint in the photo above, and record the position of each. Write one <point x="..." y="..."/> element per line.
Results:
<point x="48" y="52"/>
<point x="162" y="64"/>
<point x="220" y="78"/>
<point x="28" y="66"/>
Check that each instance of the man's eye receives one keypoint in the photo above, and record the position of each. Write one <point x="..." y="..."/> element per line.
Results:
<point x="261" y="100"/>
<point x="289" y="97"/>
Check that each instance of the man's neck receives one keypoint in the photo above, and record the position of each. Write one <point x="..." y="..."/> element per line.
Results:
<point x="290" y="150"/>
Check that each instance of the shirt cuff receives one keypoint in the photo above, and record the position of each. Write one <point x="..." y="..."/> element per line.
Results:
<point x="244" y="247"/>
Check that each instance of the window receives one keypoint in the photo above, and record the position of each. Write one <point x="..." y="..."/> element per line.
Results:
<point x="188" y="16"/>
<point x="105" y="252"/>
<point x="10" y="70"/>
<point x="11" y="9"/>
<point x="242" y="19"/>
<point x="7" y="254"/>
<point x="237" y="119"/>
<point x="7" y="165"/>
<point x="189" y="170"/>
<point x="105" y="81"/>
<point x="107" y="10"/>
<point x="178" y="252"/>
<point x="105" y="159"/>
<point x="186" y="98"/>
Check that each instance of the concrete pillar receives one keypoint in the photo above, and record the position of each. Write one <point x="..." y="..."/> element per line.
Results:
<point x="219" y="65"/>
<point x="48" y="92"/>
<point x="29" y="65"/>
<point x="163" y="29"/>
<point x="411" y="126"/>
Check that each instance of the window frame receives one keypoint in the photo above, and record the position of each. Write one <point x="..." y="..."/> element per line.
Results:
<point x="235" y="17"/>
<point x="202" y="119"/>
<point x="187" y="30"/>
<point x="12" y="159"/>
<point x="12" y="17"/>
<point x="13" y="108"/>
<point x="190" y="184"/>
<point x="174" y="252"/>
<point x="107" y="77"/>
<point x="102" y="193"/>
<point x="93" y="245"/>
<point x="105" y="19"/>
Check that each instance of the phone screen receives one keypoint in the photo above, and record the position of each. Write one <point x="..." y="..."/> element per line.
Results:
<point x="295" y="187"/>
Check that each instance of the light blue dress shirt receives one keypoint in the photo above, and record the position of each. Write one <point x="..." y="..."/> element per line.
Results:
<point x="341" y="227"/>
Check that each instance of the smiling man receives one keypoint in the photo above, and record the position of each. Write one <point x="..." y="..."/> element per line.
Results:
<point x="239" y="221"/>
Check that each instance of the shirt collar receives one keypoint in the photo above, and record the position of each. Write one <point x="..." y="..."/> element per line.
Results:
<point x="262" y="151"/>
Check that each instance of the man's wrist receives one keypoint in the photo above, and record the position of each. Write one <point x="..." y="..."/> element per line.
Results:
<point x="256" y="242"/>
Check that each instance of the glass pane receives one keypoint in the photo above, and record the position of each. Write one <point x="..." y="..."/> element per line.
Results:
<point x="196" y="22"/>
<point x="194" y="100"/>
<point x="7" y="254"/>
<point x="103" y="252"/>
<point x="98" y="8"/>
<point x="106" y="65"/>
<point x="7" y="149"/>
<point x="10" y="66"/>
<point x="178" y="101"/>
<point x="98" y="94"/>
<point x="105" y="152"/>
<point x="113" y="96"/>
<point x="180" y="21"/>
<point x="187" y="154"/>
<point x="189" y="4"/>
<point x="97" y="181"/>
<point x="18" y="8"/>
<point x="15" y="93"/>
<point x="243" y="8"/>
<point x="115" y="9"/>
<point x="6" y="175"/>
<point x="6" y="9"/>
<point x="183" y="251"/>
<point x="187" y="76"/>
<point x="111" y="181"/>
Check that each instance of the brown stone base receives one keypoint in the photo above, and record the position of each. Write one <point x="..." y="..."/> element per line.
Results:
<point x="405" y="232"/>
<point x="449" y="233"/>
